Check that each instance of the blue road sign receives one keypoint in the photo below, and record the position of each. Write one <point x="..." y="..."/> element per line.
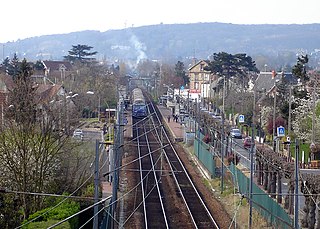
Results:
<point x="182" y="88"/>
<point x="241" y="118"/>
<point x="280" y="131"/>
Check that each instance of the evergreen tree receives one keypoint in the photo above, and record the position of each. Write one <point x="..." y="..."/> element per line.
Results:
<point x="229" y="65"/>
<point x="13" y="68"/>
<point x="299" y="69"/>
<point x="5" y="64"/>
<point x="38" y="66"/>
<point x="180" y="72"/>
<point x="80" y="53"/>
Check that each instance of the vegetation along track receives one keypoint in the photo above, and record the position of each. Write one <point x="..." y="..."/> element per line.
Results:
<point x="167" y="196"/>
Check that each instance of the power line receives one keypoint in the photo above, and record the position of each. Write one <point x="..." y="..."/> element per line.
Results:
<point x="4" y="190"/>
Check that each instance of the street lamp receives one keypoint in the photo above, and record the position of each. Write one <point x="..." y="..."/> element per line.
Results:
<point x="274" y="114"/>
<point x="92" y="93"/>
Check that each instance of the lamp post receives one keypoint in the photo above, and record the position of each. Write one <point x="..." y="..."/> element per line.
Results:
<point x="223" y="92"/>
<point x="274" y="114"/>
<point x="92" y="93"/>
<point x="67" y="100"/>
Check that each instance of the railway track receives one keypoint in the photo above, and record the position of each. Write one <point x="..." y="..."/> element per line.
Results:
<point x="165" y="196"/>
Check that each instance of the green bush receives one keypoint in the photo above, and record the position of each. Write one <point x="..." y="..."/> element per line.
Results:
<point x="46" y="224"/>
<point x="57" y="214"/>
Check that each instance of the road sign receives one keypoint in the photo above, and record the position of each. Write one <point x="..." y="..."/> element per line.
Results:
<point x="241" y="118"/>
<point x="182" y="88"/>
<point x="288" y="139"/>
<point x="280" y="131"/>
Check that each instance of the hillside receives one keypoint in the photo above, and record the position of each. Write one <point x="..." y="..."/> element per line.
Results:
<point x="175" y="41"/>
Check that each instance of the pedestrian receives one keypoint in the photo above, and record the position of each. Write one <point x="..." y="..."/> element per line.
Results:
<point x="168" y="118"/>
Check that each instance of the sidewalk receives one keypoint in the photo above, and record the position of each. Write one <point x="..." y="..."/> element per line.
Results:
<point x="176" y="129"/>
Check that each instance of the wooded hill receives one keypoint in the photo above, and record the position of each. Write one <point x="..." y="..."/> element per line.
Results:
<point x="175" y="41"/>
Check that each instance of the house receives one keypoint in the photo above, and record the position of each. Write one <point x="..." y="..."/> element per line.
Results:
<point x="54" y="98"/>
<point x="266" y="82"/>
<point x="57" y="71"/>
<point x="6" y="84"/>
<point x="200" y="79"/>
<point x="49" y="98"/>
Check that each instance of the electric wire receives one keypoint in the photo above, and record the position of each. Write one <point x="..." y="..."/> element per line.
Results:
<point x="87" y="208"/>
<point x="157" y="186"/>
<point x="234" y="218"/>
<point x="58" y="204"/>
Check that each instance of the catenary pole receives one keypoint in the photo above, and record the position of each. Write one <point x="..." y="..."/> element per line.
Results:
<point x="296" y="187"/>
<point x="96" y="186"/>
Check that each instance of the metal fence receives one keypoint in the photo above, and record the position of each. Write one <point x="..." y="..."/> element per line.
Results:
<point x="265" y="205"/>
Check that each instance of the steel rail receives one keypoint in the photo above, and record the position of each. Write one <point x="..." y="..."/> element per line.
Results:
<point x="141" y="178"/>
<point x="157" y="182"/>
<point x="187" y="175"/>
<point x="173" y="174"/>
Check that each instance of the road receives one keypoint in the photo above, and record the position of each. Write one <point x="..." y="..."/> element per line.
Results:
<point x="92" y="134"/>
<point x="245" y="161"/>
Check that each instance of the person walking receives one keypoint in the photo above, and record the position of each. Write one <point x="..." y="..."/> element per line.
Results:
<point x="168" y="118"/>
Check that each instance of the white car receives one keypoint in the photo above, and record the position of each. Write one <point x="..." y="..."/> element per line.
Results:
<point x="235" y="133"/>
<point x="77" y="133"/>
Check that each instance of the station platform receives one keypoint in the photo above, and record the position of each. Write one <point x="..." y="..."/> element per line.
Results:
<point x="128" y="124"/>
<point x="176" y="128"/>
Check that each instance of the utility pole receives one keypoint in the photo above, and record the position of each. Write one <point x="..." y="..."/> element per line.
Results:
<point x="290" y="103"/>
<point x="313" y="112"/>
<point x="251" y="176"/>
<point x="222" y="152"/>
<point x="223" y="93"/>
<point x="117" y="156"/>
<point x="96" y="187"/>
<point x="296" y="187"/>
<point x="274" y="116"/>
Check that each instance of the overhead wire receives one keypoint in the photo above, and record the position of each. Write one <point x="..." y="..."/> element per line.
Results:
<point x="62" y="201"/>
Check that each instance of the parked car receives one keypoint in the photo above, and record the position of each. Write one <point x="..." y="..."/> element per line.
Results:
<point x="78" y="133"/>
<point x="247" y="142"/>
<point x="236" y="133"/>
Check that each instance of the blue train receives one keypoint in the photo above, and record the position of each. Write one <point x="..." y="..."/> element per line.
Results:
<point x="139" y="107"/>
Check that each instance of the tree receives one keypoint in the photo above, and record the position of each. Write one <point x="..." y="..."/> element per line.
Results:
<point x="228" y="65"/>
<point x="5" y="64"/>
<point x="299" y="69"/>
<point x="180" y="72"/>
<point x="13" y="67"/>
<point x="38" y="66"/>
<point x="80" y="53"/>
<point x="31" y="152"/>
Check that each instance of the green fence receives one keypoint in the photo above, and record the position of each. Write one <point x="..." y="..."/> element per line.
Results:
<point x="202" y="152"/>
<point x="265" y="205"/>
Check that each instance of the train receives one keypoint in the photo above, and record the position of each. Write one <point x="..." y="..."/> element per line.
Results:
<point x="139" y="107"/>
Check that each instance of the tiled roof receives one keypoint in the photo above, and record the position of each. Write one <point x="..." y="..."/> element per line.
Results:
<point x="47" y="92"/>
<point x="265" y="81"/>
<point x="204" y="61"/>
<point x="55" y="65"/>
<point x="6" y="83"/>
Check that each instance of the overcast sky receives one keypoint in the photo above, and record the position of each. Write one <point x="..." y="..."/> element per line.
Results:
<point x="28" y="18"/>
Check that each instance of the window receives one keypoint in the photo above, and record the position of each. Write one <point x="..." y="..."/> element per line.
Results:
<point x="196" y="85"/>
<point x="196" y="76"/>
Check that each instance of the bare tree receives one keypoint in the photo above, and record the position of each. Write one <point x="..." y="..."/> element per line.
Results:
<point x="31" y="152"/>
